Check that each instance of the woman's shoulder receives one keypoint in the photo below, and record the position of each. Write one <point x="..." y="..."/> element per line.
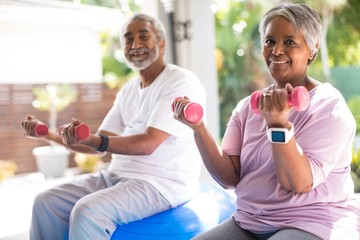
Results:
<point x="327" y="100"/>
<point x="326" y="91"/>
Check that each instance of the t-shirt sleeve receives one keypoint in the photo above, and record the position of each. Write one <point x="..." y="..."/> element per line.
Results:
<point x="233" y="137"/>
<point x="323" y="155"/>
<point x="162" y="114"/>
<point x="113" y="121"/>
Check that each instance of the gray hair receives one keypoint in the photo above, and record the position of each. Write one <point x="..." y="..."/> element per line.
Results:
<point x="303" y="18"/>
<point x="158" y="26"/>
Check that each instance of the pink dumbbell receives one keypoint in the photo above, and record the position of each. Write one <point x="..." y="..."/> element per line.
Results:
<point x="41" y="129"/>
<point x="81" y="131"/>
<point x="299" y="99"/>
<point x="193" y="112"/>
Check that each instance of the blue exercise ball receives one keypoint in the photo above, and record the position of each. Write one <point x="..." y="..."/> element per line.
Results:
<point x="211" y="206"/>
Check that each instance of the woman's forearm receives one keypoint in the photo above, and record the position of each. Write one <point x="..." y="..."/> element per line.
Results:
<point x="221" y="167"/>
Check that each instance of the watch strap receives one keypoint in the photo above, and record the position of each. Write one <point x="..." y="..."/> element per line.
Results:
<point x="280" y="135"/>
<point x="104" y="143"/>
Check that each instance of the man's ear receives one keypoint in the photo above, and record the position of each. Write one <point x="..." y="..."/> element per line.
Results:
<point x="162" y="45"/>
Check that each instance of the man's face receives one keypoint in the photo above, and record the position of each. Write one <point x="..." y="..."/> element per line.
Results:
<point x="141" y="46"/>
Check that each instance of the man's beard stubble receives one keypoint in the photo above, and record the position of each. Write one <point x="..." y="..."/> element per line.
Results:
<point x="142" y="64"/>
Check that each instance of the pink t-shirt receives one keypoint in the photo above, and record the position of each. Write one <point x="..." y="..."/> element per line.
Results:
<point x="325" y="132"/>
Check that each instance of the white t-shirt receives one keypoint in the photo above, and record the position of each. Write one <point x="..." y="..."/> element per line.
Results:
<point x="174" y="167"/>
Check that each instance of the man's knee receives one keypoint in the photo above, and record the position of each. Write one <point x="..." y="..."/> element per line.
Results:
<point x="43" y="200"/>
<point x="81" y="209"/>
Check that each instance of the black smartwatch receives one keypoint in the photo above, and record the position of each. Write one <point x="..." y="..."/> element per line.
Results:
<point x="104" y="143"/>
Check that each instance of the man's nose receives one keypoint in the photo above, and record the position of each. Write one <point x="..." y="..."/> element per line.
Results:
<point x="136" y="44"/>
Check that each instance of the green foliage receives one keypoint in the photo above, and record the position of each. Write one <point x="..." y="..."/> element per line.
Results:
<point x="65" y="95"/>
<point x="355" y="169"/>
<point x="355" y="164"/>
<point x="343" y="33"/>
<point x="315" y="70"/>
<point x="240" y="67"/>
<point x="111" y="65"/>
<point x="115" y="71"/>
<point x="354" y="105"/>
<point x="7" y="169"/>
<point x="344" y="37"/>
<point x="240" y="75"/>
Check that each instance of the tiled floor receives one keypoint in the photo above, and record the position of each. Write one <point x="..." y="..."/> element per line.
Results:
<point x="16" y="198"/>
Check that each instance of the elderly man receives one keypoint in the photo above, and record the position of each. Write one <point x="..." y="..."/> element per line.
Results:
<point x="155" y="163"/>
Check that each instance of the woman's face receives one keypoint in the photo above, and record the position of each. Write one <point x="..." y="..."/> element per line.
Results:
<point x="285" y="52"/>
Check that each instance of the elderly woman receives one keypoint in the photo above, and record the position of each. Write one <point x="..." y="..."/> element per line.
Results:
<point x="297" y="186"/>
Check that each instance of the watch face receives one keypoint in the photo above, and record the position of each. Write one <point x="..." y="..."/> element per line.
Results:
<point x="277" y="136"/>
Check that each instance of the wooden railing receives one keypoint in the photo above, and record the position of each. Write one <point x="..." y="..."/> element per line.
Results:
<point x="93" y="102"/>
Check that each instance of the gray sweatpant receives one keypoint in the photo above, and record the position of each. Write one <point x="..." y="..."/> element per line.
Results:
<point x="230" y="230"/>
<point x="90" y="207"/>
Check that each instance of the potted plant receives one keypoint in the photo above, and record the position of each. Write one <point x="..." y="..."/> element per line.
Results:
<point x="354" y="105"/>
<point x="7" y="169"/>
<point x="88" y="163"/>
<point x="52" y="160"/>
<point x="355" y="169"/>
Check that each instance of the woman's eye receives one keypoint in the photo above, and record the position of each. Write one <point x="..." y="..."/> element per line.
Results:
<point x="289" y="42"/>
<point x="268" y="42"/>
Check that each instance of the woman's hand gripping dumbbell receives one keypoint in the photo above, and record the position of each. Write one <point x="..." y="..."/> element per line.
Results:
<point x="299" y="98"/>
<point x="193" y="112"/>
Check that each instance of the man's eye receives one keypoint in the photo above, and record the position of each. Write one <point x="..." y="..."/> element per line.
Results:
<point x="268" y="41"/>
<point x="143" y="37"/>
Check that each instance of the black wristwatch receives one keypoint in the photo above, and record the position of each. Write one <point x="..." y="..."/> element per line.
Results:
<point x="104" y="143"/>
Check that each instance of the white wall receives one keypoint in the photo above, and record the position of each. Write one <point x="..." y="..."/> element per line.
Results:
<point x="43" y="54"/>
<point x="52" y="41"/>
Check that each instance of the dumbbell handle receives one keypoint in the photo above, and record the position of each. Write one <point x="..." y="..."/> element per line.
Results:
<point x="41" y="129"/>
<point x="81" y="131"/>
<point x="299" y="98"/>
<point x="193" y="112"/>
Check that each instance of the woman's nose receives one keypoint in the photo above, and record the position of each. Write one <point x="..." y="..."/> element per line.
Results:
<point x="278" y="49"/>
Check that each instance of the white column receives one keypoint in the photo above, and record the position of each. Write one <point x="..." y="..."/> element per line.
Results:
<point x="156" y="9"/>
<point x="197" y="53"/>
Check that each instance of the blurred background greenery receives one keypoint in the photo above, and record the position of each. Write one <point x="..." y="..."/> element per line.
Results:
<point x="241" y="69"/>
<point x="238" y="57"/>
<point x="238" y="51"/>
